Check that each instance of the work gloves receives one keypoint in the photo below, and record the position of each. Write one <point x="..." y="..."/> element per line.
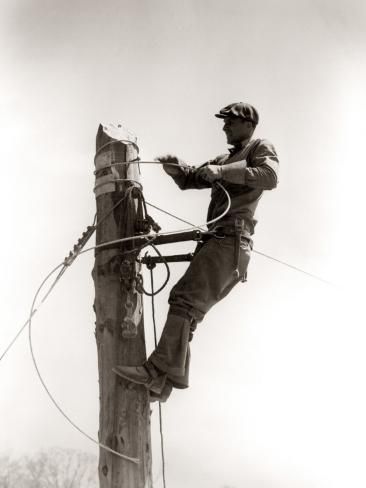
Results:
<point x="171" y="164"/>
<point x="232" y="172"/>
<point x="210" y="173"/>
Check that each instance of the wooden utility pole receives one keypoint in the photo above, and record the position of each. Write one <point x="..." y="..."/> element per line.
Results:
<point x="124" y="407"/>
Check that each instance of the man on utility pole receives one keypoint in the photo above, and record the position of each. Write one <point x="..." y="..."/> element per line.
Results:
<point x="219" y="263"/>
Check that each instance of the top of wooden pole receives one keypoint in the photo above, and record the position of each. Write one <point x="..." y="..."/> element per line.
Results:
<point x="113" y="132"/>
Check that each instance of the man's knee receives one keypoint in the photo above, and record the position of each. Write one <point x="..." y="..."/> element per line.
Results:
<point x="185" y="310"/>
<point x="188" y="313"/>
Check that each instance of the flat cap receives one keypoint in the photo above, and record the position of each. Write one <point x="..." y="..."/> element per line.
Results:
<point x="240" y="109"/>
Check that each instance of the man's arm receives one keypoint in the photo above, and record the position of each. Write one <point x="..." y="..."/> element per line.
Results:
<point x="186" y="177"/>
<point x="262" y="173"/>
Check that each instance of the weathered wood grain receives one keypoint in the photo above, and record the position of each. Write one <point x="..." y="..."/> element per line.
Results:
<point x="124" y="408"/>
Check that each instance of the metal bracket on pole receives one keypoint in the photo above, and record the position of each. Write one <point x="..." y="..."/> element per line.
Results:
<point x="157" y="240"/>
<point x="151" y="261"/>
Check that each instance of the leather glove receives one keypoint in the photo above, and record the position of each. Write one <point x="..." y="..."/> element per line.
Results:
<point x="171" y="164"/>
<point x="210" y="173"/>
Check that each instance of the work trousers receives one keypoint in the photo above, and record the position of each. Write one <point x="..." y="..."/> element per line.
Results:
<point x="210" y="276"/>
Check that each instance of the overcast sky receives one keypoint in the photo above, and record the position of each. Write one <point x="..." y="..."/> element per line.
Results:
<point x="277" y="397"/>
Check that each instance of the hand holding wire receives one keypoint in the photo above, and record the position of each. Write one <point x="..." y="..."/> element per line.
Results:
<point x="210" y="173"/>
<point x="171" y="164"/>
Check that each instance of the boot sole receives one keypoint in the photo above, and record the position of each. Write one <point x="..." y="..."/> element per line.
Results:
<point x="157" y="390"/>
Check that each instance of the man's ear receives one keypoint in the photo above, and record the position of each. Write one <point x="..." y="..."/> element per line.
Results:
<point x="250" y="126"/>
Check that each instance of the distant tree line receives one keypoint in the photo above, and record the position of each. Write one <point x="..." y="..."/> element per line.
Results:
<point x="54" y="468"/>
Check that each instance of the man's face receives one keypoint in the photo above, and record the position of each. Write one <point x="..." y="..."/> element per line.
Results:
<point x="237" y="129"/>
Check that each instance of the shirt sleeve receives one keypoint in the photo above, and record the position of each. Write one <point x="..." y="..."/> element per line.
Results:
<point x="262" y="172"/>
<point x="189" y="178"/>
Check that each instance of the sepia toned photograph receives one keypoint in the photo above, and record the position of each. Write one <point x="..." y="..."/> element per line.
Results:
<point x="183" y="244"/>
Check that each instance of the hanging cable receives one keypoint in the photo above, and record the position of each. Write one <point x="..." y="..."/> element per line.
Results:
<point x="68" y="261"/>
<point x="152" y="295"/>
<point x="111" y="210"/>
<point x="32" y="311"/>
<point x="29" y="322"/>
<point x="35" y="310"/>
<point x="311" y="275"/>
<point x="174" y="216"/>
<point x="103" y="446"/>
<point x="64" y="265"/>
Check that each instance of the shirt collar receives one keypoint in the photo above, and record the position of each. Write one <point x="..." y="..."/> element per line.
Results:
<point x="238" y="147"/>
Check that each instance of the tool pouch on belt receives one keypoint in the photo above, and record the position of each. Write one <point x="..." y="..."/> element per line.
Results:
<point x="240" y="236"/>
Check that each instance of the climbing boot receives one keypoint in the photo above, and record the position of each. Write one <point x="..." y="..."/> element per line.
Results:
<point x="171" y="353"/>
<point x="142" y="375"/>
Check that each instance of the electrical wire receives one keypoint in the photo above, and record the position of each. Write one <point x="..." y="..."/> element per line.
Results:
<point x="111" y="210"/>
<point x="311" y="275"/>
<point x="116" y="180"/>
<point x="153" y="293"/>
<point x="284" y="263"/>
<point x="138" y="162"/>
<point x="12" y="342"/>
<point x="103" y="446"/>
<point x="35" y="310"/>
<point x="179" y="231"/>
<point x="174" y="216"/>
<point x="32" y="311"/>
<point x="116" y="141"/>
